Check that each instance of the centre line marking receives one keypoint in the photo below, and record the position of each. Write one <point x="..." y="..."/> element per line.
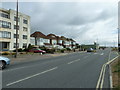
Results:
<point x="32" y="76"/>
<point x="102" y="54"/>
<point x="73" y="61"/>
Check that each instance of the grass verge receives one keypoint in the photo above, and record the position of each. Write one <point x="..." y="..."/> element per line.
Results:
<point x="116" y="73"/>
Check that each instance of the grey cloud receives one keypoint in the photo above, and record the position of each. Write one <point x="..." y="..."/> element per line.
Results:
<point x="64" y="18"/>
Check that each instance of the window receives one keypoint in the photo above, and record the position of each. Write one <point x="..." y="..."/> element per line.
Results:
<point x="15" y="27"/>
<point x="25" y="21"/>
<point x="24" y="45"/>
<point x="41" y="39"/>
<point x="60" y="41"/>
<point x="15" y="18"/>
<point x="5" y="34"/>
<point x="24" y="28"/>
<point x="15" y="45"/>
<point x="46" y="41"/>
<point x="5" y="15"/>
<point x="5" y="24"/>
<point x="54" y="42"/>
<point x="16" y="35"/>
<point x="24" y="36"/>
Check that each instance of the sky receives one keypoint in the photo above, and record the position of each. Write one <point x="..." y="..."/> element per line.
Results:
<point x="85" y="22"/>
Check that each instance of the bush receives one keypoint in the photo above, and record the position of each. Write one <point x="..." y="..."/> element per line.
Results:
<point x="5" y="53"/>
<point x="26" y="50"/>
<point x="30" y="46"/>
<point x="62" y="50"/>
<point x="68" y="49"/>
<point x="19" y="50"/>
<point x="43" y="48"/>
<point x="50" y="51"/>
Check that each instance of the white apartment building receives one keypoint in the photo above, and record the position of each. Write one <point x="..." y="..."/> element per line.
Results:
<point x="8" y="29"/>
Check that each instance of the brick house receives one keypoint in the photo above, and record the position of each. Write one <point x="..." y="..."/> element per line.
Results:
<point x="38" y="38"/>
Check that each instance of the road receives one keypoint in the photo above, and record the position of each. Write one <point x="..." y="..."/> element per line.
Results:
<point x="75" y="70"/>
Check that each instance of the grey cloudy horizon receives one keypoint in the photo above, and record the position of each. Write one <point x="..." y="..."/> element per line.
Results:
<point x="84" y="22"/>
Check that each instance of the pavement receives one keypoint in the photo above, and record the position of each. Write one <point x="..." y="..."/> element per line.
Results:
<point x="33" y="57"/>
<point x="75" y="70"/>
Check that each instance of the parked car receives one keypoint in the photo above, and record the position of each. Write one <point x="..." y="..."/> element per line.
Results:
<point x="37" y="50"/>
<point x="4" y="61"/>
<point x="90" y="50"/>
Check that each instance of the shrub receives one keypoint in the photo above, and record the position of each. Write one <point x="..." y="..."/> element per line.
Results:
<point x="30" y="46"/>
<point x="26" y="50"/>
<point x="5" y="53"/>
<point x="50" y="51"/>
<point x="62" y="50"/>
<point x="43" y="48"/>
<point x="68" y="49"/>
<point x="19" y="50"/>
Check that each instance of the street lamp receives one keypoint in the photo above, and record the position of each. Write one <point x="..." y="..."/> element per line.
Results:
<point x="119" y="27"/>
<point x="118" y="40"/>
<point x="16" y="29"/>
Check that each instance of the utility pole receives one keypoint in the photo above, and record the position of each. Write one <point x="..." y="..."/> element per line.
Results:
<point x="16" y="30"/>
<point x="119" y="27"/>
<point x="118" y="40"/>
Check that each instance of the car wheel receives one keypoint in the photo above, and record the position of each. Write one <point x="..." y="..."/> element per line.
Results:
<point x="2" y="65"/>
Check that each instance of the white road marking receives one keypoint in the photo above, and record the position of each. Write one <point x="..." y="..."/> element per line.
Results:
<point x="109" y="56"/>
<point x="102" y="54"/>
<point x="102" y="73"/>
<point x="85" y="56"/>
<point x="103" y="76"/>
<point x="14" y="69"/>
<point x="112" y="60"/>
<point x="32" y="76"/>
<point x="19" y="68"/>
<point x="88" y="53"/>
<point x="73" y="61"/>
<point x="98" y="83"/>
<point x="117" y="53"/>
<point x="95" y="53"/>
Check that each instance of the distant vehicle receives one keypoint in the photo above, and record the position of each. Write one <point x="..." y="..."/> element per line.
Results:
<point x="90" y="50"/>
<point x="4" y="61"/>
<point x="37" y="50"/>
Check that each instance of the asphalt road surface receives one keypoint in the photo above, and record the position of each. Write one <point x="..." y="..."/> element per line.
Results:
<point x="76" y="70"/>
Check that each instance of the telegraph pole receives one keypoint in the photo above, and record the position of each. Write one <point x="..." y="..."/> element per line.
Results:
<point x="119" y="27"/>
<point x="16" y="30"/>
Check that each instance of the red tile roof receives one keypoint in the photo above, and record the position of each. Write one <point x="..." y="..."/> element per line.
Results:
<point x="38" y="34"/>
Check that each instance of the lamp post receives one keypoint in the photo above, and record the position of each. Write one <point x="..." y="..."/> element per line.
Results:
<point x="118" y="27"/>
<point x="16" y="30"/>
<point x="118" y="40"/>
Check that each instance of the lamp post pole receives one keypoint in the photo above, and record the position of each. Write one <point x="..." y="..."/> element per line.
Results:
<point x="16" y="30"/>
<point x="118" y="40"/>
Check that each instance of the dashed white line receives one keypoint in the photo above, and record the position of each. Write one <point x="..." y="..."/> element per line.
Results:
<point x="95" y="53"/>
<point x="102" y="54"/>
<point x="85" y="56"/>
<point x="32" y="76"/>
<point x="74" y="61"/>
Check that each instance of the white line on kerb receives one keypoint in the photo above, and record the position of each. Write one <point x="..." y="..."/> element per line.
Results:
<point x="31" y="76"/>
<point x="74" y="61"/>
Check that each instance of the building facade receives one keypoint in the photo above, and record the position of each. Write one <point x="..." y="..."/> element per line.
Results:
<point x="8" y="29"/>
<point x="51" y="41"/>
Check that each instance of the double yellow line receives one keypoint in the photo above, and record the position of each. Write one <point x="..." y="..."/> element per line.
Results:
<point x="102" y="74"/>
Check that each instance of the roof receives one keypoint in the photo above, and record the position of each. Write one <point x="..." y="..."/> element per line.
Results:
<point x="52" y="36"/>
<point x="38" y="34"/>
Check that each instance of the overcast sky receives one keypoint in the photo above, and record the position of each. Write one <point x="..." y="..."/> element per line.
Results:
<point x="85" y="22"/>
